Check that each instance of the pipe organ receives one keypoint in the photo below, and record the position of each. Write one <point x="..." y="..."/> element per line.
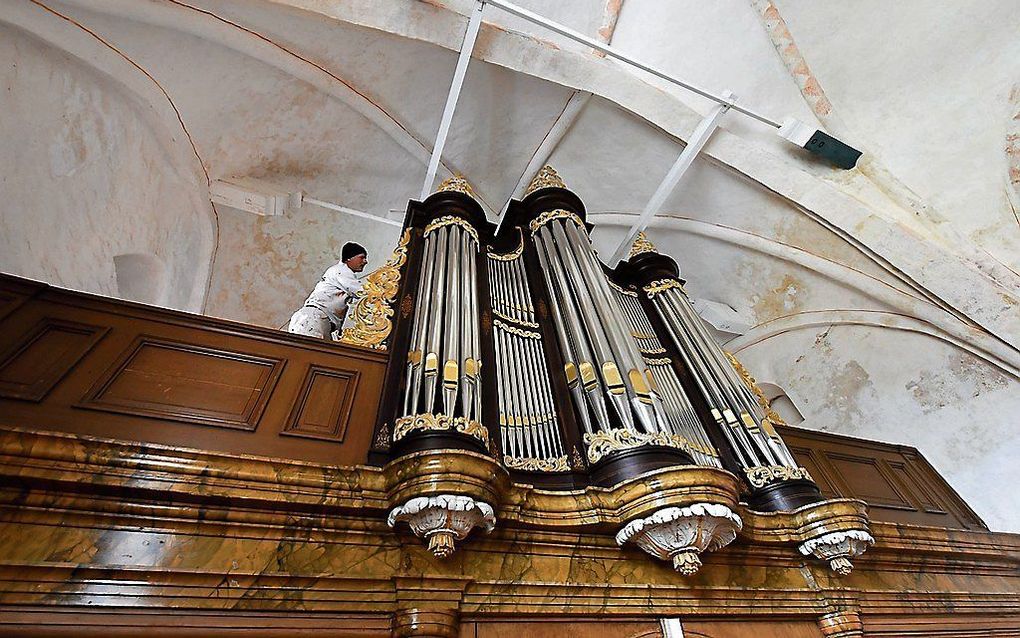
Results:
<point x="517" y="355"/>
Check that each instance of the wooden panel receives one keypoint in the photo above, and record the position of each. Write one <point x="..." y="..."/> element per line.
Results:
<point x="863" y="477"/>
<point x="750" y="629"/>
<point x="182" y="380"/>
<point x="47" y="353"/>
<point x="899" y="485"/>
<point x="559" y="627"/>
<point x="323" y="408"/>
<point x="188" y="383"/>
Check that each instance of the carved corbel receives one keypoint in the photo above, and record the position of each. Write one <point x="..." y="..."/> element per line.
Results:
<point x="444" y="494"/>
<point x="680" y="534"/>
<point x="835" y="530"/>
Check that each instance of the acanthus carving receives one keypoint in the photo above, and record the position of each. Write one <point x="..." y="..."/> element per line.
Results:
<point x="605" y="442"/>
<point x="451" y="220"/>
<point x="641" y="245"/>
<point x="764" y="474"/>
<point x="427" y="422"/>
<point x="373" y="314"/>
<point x="680" y="534"/>
<point x="552" y="215"/>
<point x="441" y="520"/>
<point x="557" y="464"/>
<point x="838" y="548"/>
<point x="771" y="416"/>
<point x="660" y="286"/>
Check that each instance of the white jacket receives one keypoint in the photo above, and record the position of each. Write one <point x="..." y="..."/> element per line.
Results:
<point x="334" y="292"/>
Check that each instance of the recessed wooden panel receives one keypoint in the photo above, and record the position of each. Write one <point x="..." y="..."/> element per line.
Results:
<point x="323" y="408"/>
<point x="865" y="479"/>
<point x="38" y="361"/>
<point x="917" y="488"/>
<point x="189" y="383"/>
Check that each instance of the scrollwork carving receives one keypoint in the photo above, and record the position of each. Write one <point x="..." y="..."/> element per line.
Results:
<point x="660" y="286"/>
<point x="764" y="474"/>
<point x="427" y="422"/>
<point x="373" y="314"/>
<point x="605" y="442"/>
<point x="558" y="464"/>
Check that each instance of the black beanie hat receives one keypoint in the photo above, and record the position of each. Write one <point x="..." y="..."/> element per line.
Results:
<point x="352" y="249"/>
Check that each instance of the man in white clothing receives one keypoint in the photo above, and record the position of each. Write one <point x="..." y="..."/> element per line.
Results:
<point x="325" y="308"/>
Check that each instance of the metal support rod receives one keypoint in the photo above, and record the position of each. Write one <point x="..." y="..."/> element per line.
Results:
<point x="676" y="172"/>
<point x="567" y="32"/>
<point x="466" y="48"/>
<point x="350" y="211"/>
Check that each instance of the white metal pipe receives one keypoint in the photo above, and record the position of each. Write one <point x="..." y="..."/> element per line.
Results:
<point x="466" y="48"/>
<point x="676" y="172"/>
<point x="351" y="211"/>
<point x="530" y="16"/>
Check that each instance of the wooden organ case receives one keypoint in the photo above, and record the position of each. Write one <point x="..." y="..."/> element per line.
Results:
<point x="520" y="357"/>
<point x="511" y="439"/>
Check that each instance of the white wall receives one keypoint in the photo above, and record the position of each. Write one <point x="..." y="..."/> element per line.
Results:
<point x="84" y="177"/>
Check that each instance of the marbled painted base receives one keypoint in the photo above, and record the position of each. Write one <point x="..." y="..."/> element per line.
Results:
<point x="98" y="532"/>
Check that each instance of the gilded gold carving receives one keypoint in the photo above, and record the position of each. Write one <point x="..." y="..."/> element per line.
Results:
<point x="652" y="351"/>
<point x="558" y="464"/>
<point x="427" y="422"/>
<point x="772" y="418"/>
<point x="764" y="474"/>
<point x="641" y="245"/>
<point x="662" y="285"/>
<point x="529" y="324"/>
<point x="456" y="184"/>
<point x="373" y="314"/>
<point x="665" y="361"/>
<point x="547" y="177"/>
<point x="552" y="215"/>
<point x="527" y="334"/>
<point x="512" y="255"/>
<point x="620" y="289"/>
<point x="602" y="443"/>
<point x="451" y="220"/>
<point x="382" y="437"/>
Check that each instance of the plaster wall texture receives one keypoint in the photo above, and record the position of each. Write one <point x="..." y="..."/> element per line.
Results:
<point x="84" y="177"/>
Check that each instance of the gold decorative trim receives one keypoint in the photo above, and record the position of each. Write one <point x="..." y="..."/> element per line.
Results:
<point x="456" y="184"/>
<point x="427" y="422"/>
<point x="620" y="289"/>
<point x="547" y="177"/>
<point x="604" y="442"/>
<point x="772" y="417"/>
<point x="529" y="324"/>
<point x="762" y="475"/>
<point x="664" y="361"/>
<point x="641" y="245"/>
<point x="660" y="286"/>
<point x="552" y="215"/>
<point x="373" y="313"/>
<point x="641" y="335"/>
<point x="558" y="464"/>
<point x="512" y="255"/>
<point x="653" y="351"/>
<point x="447" y="220"/>
<point x="527" y="334"/>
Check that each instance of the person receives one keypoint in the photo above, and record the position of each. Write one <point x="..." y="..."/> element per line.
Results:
<point x="325" y="308"/>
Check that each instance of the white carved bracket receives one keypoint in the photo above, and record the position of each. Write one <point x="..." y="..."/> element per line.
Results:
<point x="681" y="533"/>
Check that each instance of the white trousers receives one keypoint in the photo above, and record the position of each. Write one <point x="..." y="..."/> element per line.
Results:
<point x="312" y="322"/>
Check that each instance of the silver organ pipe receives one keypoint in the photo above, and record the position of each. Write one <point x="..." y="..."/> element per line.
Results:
<point x="682" y="419"/>
<point x="735" y="407"/>
<point x="529" y="427"/>
<point x="444" y="356"/>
